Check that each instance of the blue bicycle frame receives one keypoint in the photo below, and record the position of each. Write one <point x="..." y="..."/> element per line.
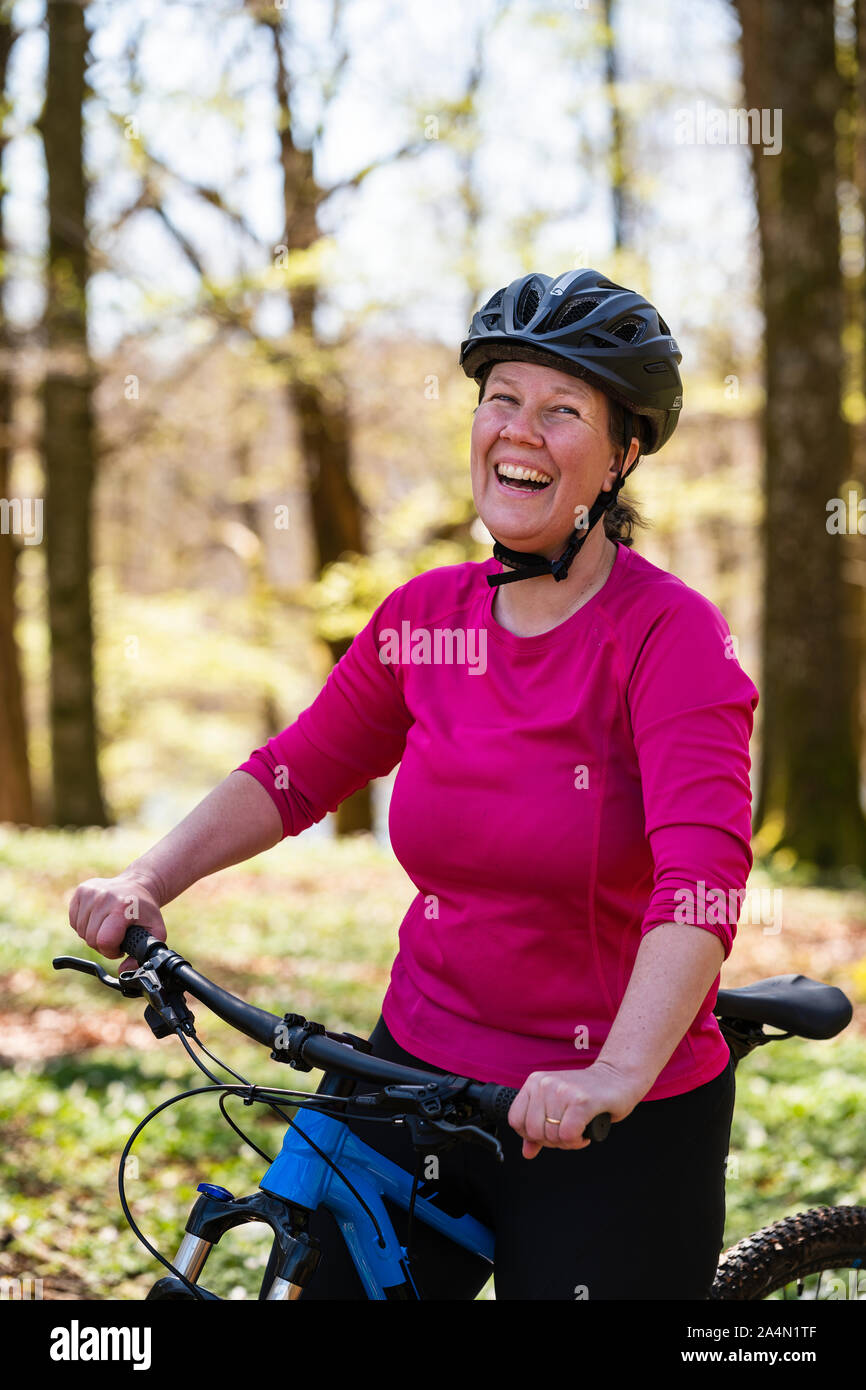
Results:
<point x="298" y="1175"/>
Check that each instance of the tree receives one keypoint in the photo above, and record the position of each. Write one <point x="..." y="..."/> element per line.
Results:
<point x="809" y="781"/>
<point x="68" y="433"/>
<point x="619" y="182"/>
<point x="16" y="797"/>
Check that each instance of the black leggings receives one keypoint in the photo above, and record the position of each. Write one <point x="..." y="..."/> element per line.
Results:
<point x="639" y="1216"/>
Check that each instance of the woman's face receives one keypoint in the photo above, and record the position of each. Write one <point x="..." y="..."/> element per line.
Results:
<point x="537" y="418"/>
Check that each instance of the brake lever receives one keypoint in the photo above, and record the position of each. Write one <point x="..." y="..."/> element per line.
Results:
<point x="426" y="1125"/>
<point x="167" y="1009"/>
<point x="424" y="1130"/>
<point x="126" y="984"/>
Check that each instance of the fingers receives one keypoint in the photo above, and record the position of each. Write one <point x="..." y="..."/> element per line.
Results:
<point x="102" y="910"/>
<point x="109" y="935"/>
<point x="106" y="924"/>
<point x="88" y="909"/>
<point x="550" y="1100"/>
<point x="545" y="1098"/>
<point x="517" y="1119"/>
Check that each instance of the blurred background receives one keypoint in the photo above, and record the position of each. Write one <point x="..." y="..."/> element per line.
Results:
<point x="241" y="244"/>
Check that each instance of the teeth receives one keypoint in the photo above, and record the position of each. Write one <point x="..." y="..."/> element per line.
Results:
<point x="513" y="470"/>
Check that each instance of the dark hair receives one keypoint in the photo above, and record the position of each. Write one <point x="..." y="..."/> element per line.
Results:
<point x="620" y="520"/>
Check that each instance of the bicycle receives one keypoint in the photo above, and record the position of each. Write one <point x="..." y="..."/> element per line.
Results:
<point x="322" y="1164"/>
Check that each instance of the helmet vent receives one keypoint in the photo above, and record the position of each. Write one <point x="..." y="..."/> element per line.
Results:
<point x="629" y="329"/>
<point x="491" y="320"/>
<point x="664" y="328"/>
<point x="529" y="300"/>
<point x="494" y="302"/>
<point x="593" y="341"/>
<point x="572" y="311"/>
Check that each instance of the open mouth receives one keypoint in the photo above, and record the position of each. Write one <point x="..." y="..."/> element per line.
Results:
<point x="517" y="479"/>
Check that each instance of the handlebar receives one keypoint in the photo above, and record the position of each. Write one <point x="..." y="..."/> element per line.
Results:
<point x="307" y="1044"/>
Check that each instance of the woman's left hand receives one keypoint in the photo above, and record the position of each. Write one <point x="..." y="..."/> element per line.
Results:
<point x="573" y="1098"/>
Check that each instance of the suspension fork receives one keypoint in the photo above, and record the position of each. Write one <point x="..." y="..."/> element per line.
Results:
<point x="294" y="1254"/>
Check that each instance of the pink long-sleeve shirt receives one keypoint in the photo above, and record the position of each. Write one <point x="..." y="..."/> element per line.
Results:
<point x="558" y="796"/>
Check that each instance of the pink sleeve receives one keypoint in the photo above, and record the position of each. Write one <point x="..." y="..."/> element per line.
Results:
<point x="355" y="730"/>
<point x="692" y="707"/>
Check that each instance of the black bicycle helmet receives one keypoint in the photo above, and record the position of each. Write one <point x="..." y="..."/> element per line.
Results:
<point x="581" y="323"/>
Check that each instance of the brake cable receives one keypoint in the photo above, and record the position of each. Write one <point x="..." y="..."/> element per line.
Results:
<point x="303" y="1098"/>
<point x="268" y="1158"/>
<point x="251" y="1144"/>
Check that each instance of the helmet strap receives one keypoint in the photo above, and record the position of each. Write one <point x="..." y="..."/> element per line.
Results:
<point x="527" y="565"/>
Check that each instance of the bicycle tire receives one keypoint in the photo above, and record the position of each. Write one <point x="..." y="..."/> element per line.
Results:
<point x="809" y="1242"/>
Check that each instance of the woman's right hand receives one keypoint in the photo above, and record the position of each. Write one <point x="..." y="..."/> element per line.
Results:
<point x="102" y="910"/>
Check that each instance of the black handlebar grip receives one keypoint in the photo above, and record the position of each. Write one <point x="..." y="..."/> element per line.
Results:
<point x="496" y="1101"/>
<point x="598" y="1128"/>
<point x="137" y="942"/>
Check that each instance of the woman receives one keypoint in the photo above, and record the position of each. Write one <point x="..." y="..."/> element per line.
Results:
<point x="572" y="732"/>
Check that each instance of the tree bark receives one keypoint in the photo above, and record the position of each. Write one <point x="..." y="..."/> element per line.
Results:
<point x="809" y="778"/>
<point x="318" y="393"/>
<point x="68" y="432"/>
<point x="16" y="794"/>
<point x="617" y="152"/>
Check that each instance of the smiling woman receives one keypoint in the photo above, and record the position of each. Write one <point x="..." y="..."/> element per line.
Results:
<point x="610" y="729"/>
<point x="541" y="453"/>
<point x="553" y="803"/>
<point x="577" y="376"/>
<point x="582" y="327"/>
<point x="623" y="517"/>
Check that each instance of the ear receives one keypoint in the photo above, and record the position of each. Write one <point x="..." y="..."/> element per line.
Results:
<point x="633" y="451"/>
<point x="617" y="466"/>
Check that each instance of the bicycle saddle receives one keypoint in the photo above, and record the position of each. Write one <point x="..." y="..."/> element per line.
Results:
<point x="793" y="1003"/>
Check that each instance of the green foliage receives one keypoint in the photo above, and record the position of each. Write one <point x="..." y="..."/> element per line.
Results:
<point x="349" y="590"/>
<point x="799" y="1133"/>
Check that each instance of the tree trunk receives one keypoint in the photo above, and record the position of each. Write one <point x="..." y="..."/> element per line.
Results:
<point x="809" y="786"/>
<point x="854" y="174"/>
<point x="324" y="429"/>
<point x="16" y="795"/>
<point x="617" y="152"/>
<point x="318" y="395"/>
<point x="68" y="435"/>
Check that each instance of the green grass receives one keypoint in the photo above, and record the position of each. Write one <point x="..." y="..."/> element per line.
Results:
<point x="310" y="926"/>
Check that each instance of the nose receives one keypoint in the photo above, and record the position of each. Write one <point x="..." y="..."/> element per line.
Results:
<point x="521" y="426"/>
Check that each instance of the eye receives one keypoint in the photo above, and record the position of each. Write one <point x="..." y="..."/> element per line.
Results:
<point x="501" y="396"/>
